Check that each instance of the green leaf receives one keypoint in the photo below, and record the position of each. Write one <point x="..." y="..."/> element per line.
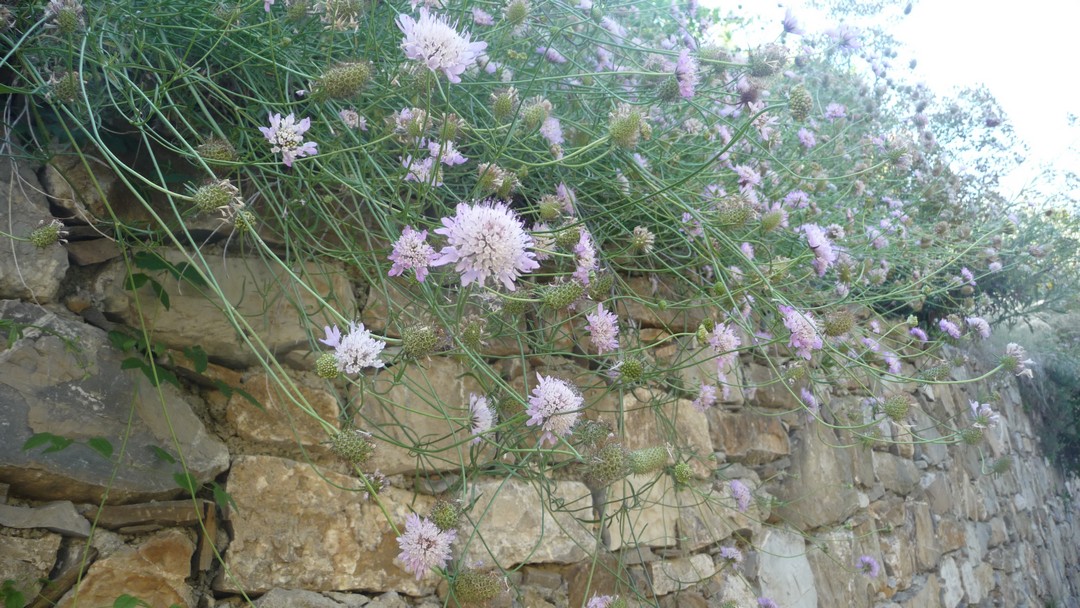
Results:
<point x="224" y="388"/>
<point x="58" y="444"/>
<point x="162" y="455"/>
<point x="251" y="400"/>
<point x="222" y="498"/>
<point x="162" y="295"/>
<point x="128" y="601"/>
<point x="151" y="261"/>
<point x="136" y="281"/>
<point x="13" y="598"/>
<point x="190" y="273"/>
<point x="101" y="446"/>
<point x="133" y="363"/>
<point x="121" y="341"/>
<point x="198" y="358"/>
<point x="37" y="440"/>
<point x="186" y="481"/>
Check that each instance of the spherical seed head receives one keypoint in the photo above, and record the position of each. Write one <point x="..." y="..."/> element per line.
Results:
<point x="326" y="366"/>
<point x="471" y="587"/>
<point x="420" y="341"/>
<point x="559" y="296"/>
<point x="838" y="323"/>
<point x="68" y="21"/>
<point x="472" y="332"/>
<point x="1001" y="465"/>
<point x="631" y="370"/>
<point x="610" y="464"/>
<point x="668" y="89"/>
<point x="343" y="81"/>
<point x="897" y="406"/>
<point x="617" y="603"/>
<point x="378" y="482"/>
<point x="353" y="446"/>
<point x="536" y="111"/>
<point x="600" y="285"/>
<point x="517" y="11"/>
<point x="445" y="514"/>
<point x="771" y="220"/>
<point x="648" y="460"/>
<point x="47" y="234"/>
<point x="211" y="197"/>
<point x="682" y="473"/>
<point x="800" y="103"/>
<point x="734" y="211"/>
<point x="937" y="373"/>
<point x="244" y="221"/>
<point x="591" y="434"/>
<point x="971" y="436"/>
<point x="65" y="87"/>
<point x="567" y="238"/>
<point x="625" y="126"/>
<point x="503" y="103"/>
<point x="217" y="150"/>
<point x="550" y="208"/>
<point x="297" y="10"/>
<point x="642" y="240"/>
<point x="514" y="306"/>
<point x="768" y="60"/>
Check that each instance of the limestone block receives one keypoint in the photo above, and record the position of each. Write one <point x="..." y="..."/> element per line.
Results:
<point x="747" y="437"/>
<point x="706" y="517"/>
<point x="833" y="557"/>
<point x="650" y="307"/>
<point x="522" y="523"/>
<point x="898" y="475"/>
<point x="319" y="535"/>
<point x="817" y="491"/>
<point x="784" y="570"/>
<point x="281" y="420"/>
<point x="672" y="575"/>
<point x="26" y="272"/>
<point x="284" y="308"/>
<point x="27" y="561"/>
<point x="642" y="510"/>
<point x="60" y="517"/>
<point x="927" y="547"/>
<point x="978" y="579"/>
<point x="653" y="418"/>
<point x="770" y="390"/>
<point x="952" y="587"/>
<point x="63" y="377"/>
<point x="154" y="572"/>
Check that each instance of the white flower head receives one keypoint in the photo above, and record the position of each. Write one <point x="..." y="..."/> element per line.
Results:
<point x="434" y="42"/>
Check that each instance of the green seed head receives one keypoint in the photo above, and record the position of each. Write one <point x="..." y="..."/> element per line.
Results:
<point x="420" y="341"/>
<point x="343" y="81"/>
<point x="473" y="587"/>
<point x="214" y="196"/>
<point x="559" y="296"/>
<point x="445" y="514"/>
<point x="65" y="87"/>
<point x="610" y="464"/>
<point x="353" y="446"/>
<point x="897" y="406"/>
<point x="47" y="233"/>
<point x="642" y="240"/>
<point x="517" y="11"/>
<point x="503" y="103"/>
<point x="971" y="436"/>
<point x="626" y="126"/>
<point x="472" y="332"/>
<point x="326" y="366"/>
<point x="648" y="460"/>
<point x="600" y="285"/>
<point x="631" y="370"/>
<point x="567" y="238"/>
<point x="217" y="150"/>
<point x="682" y="474"/>
<point x="838" y="323"/>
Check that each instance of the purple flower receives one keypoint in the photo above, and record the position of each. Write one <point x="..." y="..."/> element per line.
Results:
<point x="724" y="343"/>
<point x="949" y="327"/>
<point x="994" y="267"/>
<point x="411" y="251"/>
<point x="919" y="334"/>
<point x="482" y="416"/>
<point x="706" y="398"/>
<point x="979" y="325"/>
<point x="797" y="199"/>
<point x="749" y="178"/>
<point x="741" y="494"/>
<point x="967" y="276"/>
<point x="846" y="37"/>
<point x="602" y="601"/>
<point x="446" y="153"/>
<point x="422" y="171"/>
<point x="804" y="333"/>
<point x="825" y="254"/>
<point x="603" y="328"/>
<point x="868" y="566"/>
<point x="424" y="546"/>
<point x="731" y="554"/>
<point x="352" y="119"/>
<point x="835" y="111"/>
<point x="686" y="74"/>
<point x="1015" y="360"/>
<point x="287" y="136"/>
<point x="806" y="138"/>
<point x="356" y="350"/>
<point x="435" y="43"/>
<point x="554" y="404"/>
<point x="551" y="129"/>
<point x="486" y="239"/>
<point x="585" y="254"/>
<point x="482" y="17"/>
<point x="791" y="24"/>
<point x="551" y="54"/>
<point x="764" y="602"/>
<point x="811" y="402"/>
<point x="985" y="418"/>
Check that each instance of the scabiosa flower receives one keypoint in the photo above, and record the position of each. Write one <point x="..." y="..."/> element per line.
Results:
<point x="994" y="267"/>
<point x="846" y="37"/>
<point x="1016" y="361"/>
<point x="919" y="334"/>
<point x="353" y="120"/>
<point x="967" y="276"/>
<point x="804" y="333"/>
<point x="985" y="418"/>
<point x="435" y="43"/>
<point x="835" y="111"/>
<point x="741" y="494"/>
<point x="424" y="546"/>
<point x="551" y="54"/>
<point x="949" y="327"/>
<point x="551" y="129"/>
<point x="706" y="398"/>
<point x="791" y="24"/>
<point x="287" y="136"/>
<point x="486" y="240"/>
<point x="411" y="251"/>
<point x="603" y="328"/>
<point x="810" y="401"/>
<point x="482" y="17"/>
<point x="356" y="350"/>
<point x="749" y="178"/>
<point x="554" y="405"/>
<point x="585" y="254"/>
<point x="642" y="240"/>
<point x="868" y="566"/>
<point x="764" y="602"/>
<point x="731" y="554"/>
<point x="602" y="601"/>
<point x="446" y="153"/>
<point x="806" y="138"/>
<point x="825" y="254"/>
<point x="686" y="74"/>
<point x="482" y="416"/>
<point x="422" y="171"/>
<point x="724" y="343"/>
<point x="979" y="325"/>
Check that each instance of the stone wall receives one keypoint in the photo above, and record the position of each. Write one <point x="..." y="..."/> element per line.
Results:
<point x="949" y="523"/>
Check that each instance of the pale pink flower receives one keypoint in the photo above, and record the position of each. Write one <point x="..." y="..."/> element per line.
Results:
<point x="686" y="74"/>
<point x="706" y="398"/>
<point x="411" y="251"/>
<point x="552" y="131"/>
<point x="949" y="328"/>
<point x="446" y="153"/>
<point x="731" y="554"/>
<point x="602" y="601"/>
<point x="482" y="17"/>
<point x="585" y="255"/>
<point x="825" y="254"/>
<point x="486" y="240"/>
<point x="424" y="546"/>
<point x="868" y="566"/>
<point x="353" y="120"/>
<point x="804" y="332"/>
<point x="919" y="334"/>
<point x="603" y="328"/>
<point x="482" y="416"/>
<point x="287" y="136"/>
<point x="434" y="42"/>
<point x="725" y="343"/>
<point x="551" y="54"/>
<point x="984" y="416"/>
<point x="356" y="350"/>
<point x="741" y="494"/>
<point x="835" y="111"/>
<point x="422" y="171"/>
<point x="979" y="325"/>
<point x="554" y="404"/>
<point x="806" y="138"/>
<point x="1016" y="361"/>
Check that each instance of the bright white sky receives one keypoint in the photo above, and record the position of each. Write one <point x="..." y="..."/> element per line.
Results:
<point x="1024" y="52"/>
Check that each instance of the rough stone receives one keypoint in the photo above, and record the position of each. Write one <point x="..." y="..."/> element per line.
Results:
<point x="649" y="308"/>
<point x="833" y="561"/>
<point x="653" y="418"/>
<point x="154" y="572"/>
<point x="898" y="475"/>
<point x="63" y="377"/>
<point x="60" y="517"/>
<point x="784" y="570"/>
<point x="924" y="595"/>
<point x="733" y="587"/>
<point x="280" y="422"/>
<point x="296" y="598"/>
<point x="26" y="272"/>
<point x="597" y="576"/>
<point x="706" y="517"/>
<point x="281" y="312"/>
<point x="978" y="581"/>
<point x="680" y="573"/>
<point x="514" y="529"/>
<point x="321" y="534"/>
<point x="426" y="410"/>
<point x="817" y="491"/>
<point x="927" y="547"/>
<point x="748" y="438"/>
<point x="641" y="511"/>
<point x="953" y="588"/>
<point x="770" y="390"/>
<point x="27" y="561"/>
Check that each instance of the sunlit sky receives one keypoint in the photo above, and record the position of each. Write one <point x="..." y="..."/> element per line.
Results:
<point x="1024" y="52"/>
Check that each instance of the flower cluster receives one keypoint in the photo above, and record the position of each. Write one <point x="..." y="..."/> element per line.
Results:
<point x="555" y="405"/>
<point x="356" y="350"/>
<point x="486" y="240"/>
<point x="424" y="546"/>
<point x="287" y="137"/>
<point x="433" y="41"/>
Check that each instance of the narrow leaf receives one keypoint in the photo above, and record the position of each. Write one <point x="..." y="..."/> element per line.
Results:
<point x="101" y="446"/>
<point x="162" y="455"/>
